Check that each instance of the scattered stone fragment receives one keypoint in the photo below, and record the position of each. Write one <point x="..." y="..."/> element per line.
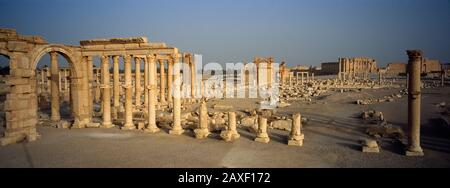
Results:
<point x="370" y="146"/>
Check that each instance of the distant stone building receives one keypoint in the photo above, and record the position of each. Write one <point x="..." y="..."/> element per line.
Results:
<point x="357" y="65"/>
<point x="396" y="68"/>
<point x="329" y="68"/>
<point x="427" y="67"/>
<point x="431" y="66"/>
<point x="446" y="68"/>
<point x="349" y="66"/>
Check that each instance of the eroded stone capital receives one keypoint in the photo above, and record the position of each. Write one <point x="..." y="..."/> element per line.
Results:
<point x="414" y="54"/>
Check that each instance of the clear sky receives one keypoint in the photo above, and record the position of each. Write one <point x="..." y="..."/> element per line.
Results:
<point x="298" y="31"/>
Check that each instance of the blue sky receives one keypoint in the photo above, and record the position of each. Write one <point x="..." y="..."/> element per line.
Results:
<point x="298" y="31"/>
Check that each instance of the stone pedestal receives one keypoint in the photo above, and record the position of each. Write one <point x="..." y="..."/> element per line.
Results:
<point x="203" y="129"/>
<point x="231" y="134"/>
<point x="262" y="135"/>
<point x="296" y="137"/>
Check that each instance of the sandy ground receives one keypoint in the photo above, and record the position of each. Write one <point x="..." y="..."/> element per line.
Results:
<point x="331" y="140"/>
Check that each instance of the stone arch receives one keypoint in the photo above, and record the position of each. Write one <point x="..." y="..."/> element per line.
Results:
<point x="76" y="72"/>
<point x="65" y="51"/>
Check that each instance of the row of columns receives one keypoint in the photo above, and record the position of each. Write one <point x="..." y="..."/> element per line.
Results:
<point x="150" y="89"/>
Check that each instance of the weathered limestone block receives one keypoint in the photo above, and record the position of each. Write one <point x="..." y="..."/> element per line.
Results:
<point x="370" y="146"/>
<point x="20" y="46"/>
<point x="21" y="88"/>
<point x="262" y="135"/>
<point x="13" y="136"/>
<point x="17" y="81"/>
<point x="22" y="123"/>
<point x="18" y="104"/>
<point x="281" y="125"/>
<point x="251" y="123"/>
<point x="25" y="73"/>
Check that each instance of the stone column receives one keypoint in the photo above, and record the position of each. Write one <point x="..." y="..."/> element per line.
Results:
<point x="59" y="81"/>
<point x="414" y="100"/>
<point x="296" y="137"/>
<point x="162" y="81"/>
<point x="137" y="91"/>
<point x="106" y="93"/>
<point x="203" y="129"/>
<point x="116" y="83"/>
<point x="443" y="78"/>
<point x="193" y="78"/>
<point x="379" y="77"/>
<point x="151" y="87"/>
<point x="128" y="95"/>
<point x="262" y="135"/>
<point x="269" y="74"/>
<point x="90" y="75"/>
<point x="97" y="87"/>
<point x="303" y="80"/>
<point x="146" y="82"/>
<point x="169" y="80"/>
<point x="340" y="68"/>
<point x="176" y="127"/>
<point x="231" y="134"/>
<point x="54" y="86"/>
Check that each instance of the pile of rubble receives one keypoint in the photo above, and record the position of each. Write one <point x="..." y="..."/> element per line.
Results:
<point x="302" y="92"/>
<point x="388" y="98"/>
<point x="380" y="128"/>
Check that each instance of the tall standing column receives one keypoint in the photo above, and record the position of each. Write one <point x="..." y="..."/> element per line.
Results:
<point x="90" y="75"/>
<point x="137" y="91"/>
<point x="340" y="69"/>
<point x="169" y="80"/>
<point x="151" y="127"/>
<point x="128" y="95"/>
<point x="176" y="127"/>
<point x="146" y="82"/>
<point x="116" y="83"/>
<point x="162" y="82"/>
<point x="414" y="100"/>
<point x="193" y="78"/>
<point x="106" y="93"/>
<point x="54" y="86"/>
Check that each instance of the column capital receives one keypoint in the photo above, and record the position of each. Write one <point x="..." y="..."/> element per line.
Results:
<point x="127" y="58"/>
<point x="175" y="57"/>
<point x="414" y="54"/>
<point x="115" y="58"/>
<point x="105" y="58"/>
<point x="53" y="54"/>
<point x="151" y="57"/>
